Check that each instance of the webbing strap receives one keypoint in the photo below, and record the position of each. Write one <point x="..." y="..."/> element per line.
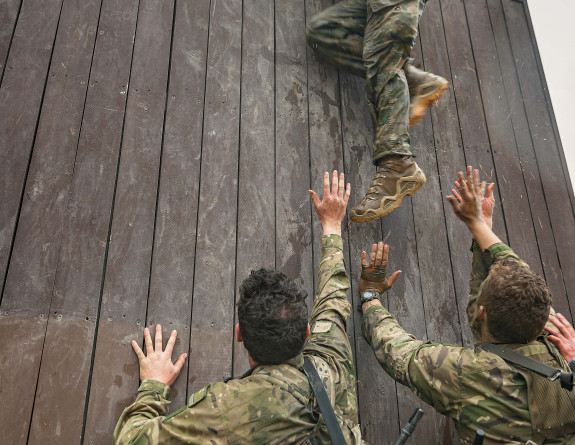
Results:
<point x="323" y="401"/>
<point x="509" y="355"/>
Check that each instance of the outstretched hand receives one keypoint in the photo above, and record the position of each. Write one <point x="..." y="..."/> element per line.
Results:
<point x="468" y="203"/>
<point x="157" y="364"/>
<point x="564" y="338"/>
<point x="373" y="274"/>
<point x="331" y="209"/>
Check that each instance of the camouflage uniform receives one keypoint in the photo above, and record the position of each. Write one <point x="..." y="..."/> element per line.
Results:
<point x="477" y="389"/>
<point x="269" y="404"/>
<point x="373" y="39"/>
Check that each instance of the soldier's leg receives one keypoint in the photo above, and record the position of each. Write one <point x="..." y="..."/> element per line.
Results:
<point x="336" y="35"/>
<point x="389" y="37"/>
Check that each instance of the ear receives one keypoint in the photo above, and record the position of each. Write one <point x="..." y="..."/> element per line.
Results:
<point x="239" y="338"/>
<point x="480" y="314"/>
<point x="307" y="332"/>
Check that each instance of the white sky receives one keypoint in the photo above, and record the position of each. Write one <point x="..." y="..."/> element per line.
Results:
<point x="555" y="33"/>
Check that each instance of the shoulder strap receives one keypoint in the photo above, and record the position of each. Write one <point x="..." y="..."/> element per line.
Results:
<point x="324" y="404"/>
<point x="516" y="358"/>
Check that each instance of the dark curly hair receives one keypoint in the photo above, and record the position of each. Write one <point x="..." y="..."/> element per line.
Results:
<point x="517" y="302"/>
<point x="273" y="318"/>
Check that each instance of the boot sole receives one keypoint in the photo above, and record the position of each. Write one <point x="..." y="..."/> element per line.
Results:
<point x="424" y="103"/>
<point x="404" y="187"/>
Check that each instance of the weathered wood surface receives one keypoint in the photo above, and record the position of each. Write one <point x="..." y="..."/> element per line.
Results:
<point x="153" y="153"/>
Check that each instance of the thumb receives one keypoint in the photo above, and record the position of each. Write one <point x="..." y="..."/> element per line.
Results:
<point x="314" y="198"/>
<point x="393" y="277"/>
<point x="453" y="202"/>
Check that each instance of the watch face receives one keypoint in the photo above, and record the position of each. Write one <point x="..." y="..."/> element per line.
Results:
<point x="369" y="295"/>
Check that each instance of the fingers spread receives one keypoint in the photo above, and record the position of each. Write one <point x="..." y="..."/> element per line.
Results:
<point x="347" y="193"/>
<point x="393" y="277"/>
<point x="158" y="338"/>
<point x="379" y="255"/>
<point x="334" y="183"/>
<point x="171" y="343"/>
<point x="148" y="341"/>
<point x="373" y="255"/>
<point x="325" y="184"/>
<point x="138" y="350"/>
<point x="314" y="198"/>
<point x="341" y="185"/>
<point x="363" y="259"/>
<point x="490" y="190"/>
<point x="180" y="363"/>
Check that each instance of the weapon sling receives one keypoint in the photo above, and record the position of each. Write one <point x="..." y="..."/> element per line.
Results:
<point x="551" y="373"/>
<point x="323" y="401"/>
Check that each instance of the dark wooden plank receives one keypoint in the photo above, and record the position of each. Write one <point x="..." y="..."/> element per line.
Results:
<point x="546" y="92"/>
<point x="293" y="206"/>
<point x="172" y="276"/>
<point x="123" y="309"/>
<point x="517" y="197"/>
<point x="550" y="173"/>
<point x="509" y="176"/>
<point x="256" y="189"/>
<point x="213" y="311"/>
<point x="431" y="310"/>
<point x="20" y="99"/>
<point x="468" y="98"/>
<point x="9" y="10"/>
<point x="326" y="144"/>
<point x="30" y="279"/>
<point x="542" y="223"/>
<point x="449" y="155"/>
<point x="376" y="390"/>
<point x="77" y="287"/>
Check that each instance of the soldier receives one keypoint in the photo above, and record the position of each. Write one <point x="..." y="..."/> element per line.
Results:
<point x="508" y="305"/>
<point x="273" y="401"/>
<point x="373" y="39"/>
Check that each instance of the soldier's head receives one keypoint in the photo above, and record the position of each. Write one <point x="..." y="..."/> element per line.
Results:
<point x="516" y="302"/>
<point x="272" y="315"/>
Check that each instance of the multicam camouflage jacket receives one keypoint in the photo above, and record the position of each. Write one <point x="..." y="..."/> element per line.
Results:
<point x="477" y="389"/>
<point x="270" y="404"/>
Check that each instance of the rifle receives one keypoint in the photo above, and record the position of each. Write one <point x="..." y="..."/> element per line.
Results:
<point x="409" y="427"/>
<point x="479" y="436"/>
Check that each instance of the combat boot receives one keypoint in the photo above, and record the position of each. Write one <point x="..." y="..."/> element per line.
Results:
<point x="397" y="177"/>
<point x="425" y="89"/>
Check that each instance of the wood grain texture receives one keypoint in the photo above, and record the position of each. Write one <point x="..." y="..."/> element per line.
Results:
<point x="9" y="10"/>
<point x="78" y="281"/>
<point x="376" y="390"/>
<point x="449" y="154"/>
<point x="30" y="280"/>
<point x="541" y="218"/>
<point x="125" y="293"/>
<point x="213" y="305"/>
<point x="256" y="182"/>
<point x="293" y="206"/>
<point x="546" y="149"/>
<point x="20" y="102"/>
<point x="172" y="275"/>
<point x="509" y="176"/>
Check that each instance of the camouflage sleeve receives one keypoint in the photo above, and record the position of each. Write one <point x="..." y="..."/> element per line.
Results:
<point x="430" y="370"/>
<point x="144" y="422"/>
<point x="331" y="309"/>
<point x="481" y="263"/>
<point x="331" y="299"/>
<point x="151" y="403"/>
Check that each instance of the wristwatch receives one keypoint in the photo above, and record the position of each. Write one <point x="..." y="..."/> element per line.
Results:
<point x="369" y="295"/>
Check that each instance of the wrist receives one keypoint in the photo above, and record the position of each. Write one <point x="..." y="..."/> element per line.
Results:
<point x="331" y="228"/>
<point x="365" y="306"/>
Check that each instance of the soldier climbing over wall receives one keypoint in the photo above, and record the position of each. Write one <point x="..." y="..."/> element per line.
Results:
<point x="373" y="39"/>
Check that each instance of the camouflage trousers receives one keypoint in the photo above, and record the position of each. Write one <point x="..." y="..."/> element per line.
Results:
<point x="373" y="42"/>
